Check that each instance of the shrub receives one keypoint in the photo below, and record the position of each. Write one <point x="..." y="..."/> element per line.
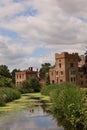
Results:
<point x="31" y="85"/>
<point x="69" y="107"/>
<point x="47" y="90"/>
<point x="7" y="95"/>
<point x="34" y="84"/>
<point x="25" y="87"/>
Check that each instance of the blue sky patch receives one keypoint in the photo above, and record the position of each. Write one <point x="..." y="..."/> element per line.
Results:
<point x="16" y="1"/>
<point x="82" y="19"/>
<point x="9" y="33"/>
<point x="28" y="12"/>
<point x="40" y="52"/>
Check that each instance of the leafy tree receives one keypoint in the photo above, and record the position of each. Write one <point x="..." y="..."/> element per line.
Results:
<point x="45" y="68"/>
<point x="47" y="79"/>
<point x="13" y="74"/>
<point x="31" y="85"/>
<point x="4" y="71"/>
<point x="5" y="82"/>
<point x="34" y="84"/>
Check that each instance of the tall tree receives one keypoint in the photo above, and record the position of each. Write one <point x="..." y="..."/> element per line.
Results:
<point x="47" y="79"/>
<point x="45" y="68"/>
<point x="4" y="71"/>
<point x="34" y="84"/>
<point x="13" y="74"/>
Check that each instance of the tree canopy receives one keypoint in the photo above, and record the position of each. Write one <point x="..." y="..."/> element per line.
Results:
<point x="4" y="71"/>
<point x="45" y="68"/>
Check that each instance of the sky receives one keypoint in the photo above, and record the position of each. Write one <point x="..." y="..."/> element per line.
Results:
<point x="32" y="31"/>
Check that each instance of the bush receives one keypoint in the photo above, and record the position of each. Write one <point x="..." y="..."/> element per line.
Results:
<point x="31" y="85"/>
<point x="25" y="87"/>
<point x="34" y="84"/>
<point x="7" y="95"/>
<point x="69" y="107"/>
<point x="5" y="82"/>
<point x="47" y="90"/>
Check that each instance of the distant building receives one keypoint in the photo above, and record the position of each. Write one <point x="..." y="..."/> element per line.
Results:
<point x="24" y="75"/>
<point x="67" y="68"/>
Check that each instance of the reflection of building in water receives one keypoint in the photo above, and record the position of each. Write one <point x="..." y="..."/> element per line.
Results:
<point x="67" y="68"/>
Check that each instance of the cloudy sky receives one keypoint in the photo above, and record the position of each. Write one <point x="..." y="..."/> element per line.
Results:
<point x="32" y="31"/>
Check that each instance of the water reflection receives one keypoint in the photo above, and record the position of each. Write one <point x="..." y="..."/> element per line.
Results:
<point x="28" y="119"/>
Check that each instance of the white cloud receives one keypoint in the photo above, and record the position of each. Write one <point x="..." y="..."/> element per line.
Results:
<point x="74" y="7"/>
<point x="60" y="25"/>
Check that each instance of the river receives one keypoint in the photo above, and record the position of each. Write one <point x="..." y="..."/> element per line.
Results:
<point x="26" y="118"/>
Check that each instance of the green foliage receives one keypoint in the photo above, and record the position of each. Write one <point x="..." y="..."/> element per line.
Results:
<point x="34" y="84"/>
<point x="25" y="87"/>
<point x="31" y="85"/>
<point x="48" y="90"/>
<point x="45" y="68"/>
<point x="5" y="77"/>
<point x="13" y="74"/>
<point x="47" y="79"/>
<point x="69" y="107"/>
<point x="5" y="82"/>
<point x="4" y="71"/>
<point x="7" y="95"/>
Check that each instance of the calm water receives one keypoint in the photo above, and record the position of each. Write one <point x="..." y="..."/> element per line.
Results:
<point x="27" y="119"/>
<point x="34" y="119"/>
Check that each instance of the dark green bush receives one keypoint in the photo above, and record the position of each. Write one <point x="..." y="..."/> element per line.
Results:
<point x="7" y="95"/>
<point x="31" y="85"/>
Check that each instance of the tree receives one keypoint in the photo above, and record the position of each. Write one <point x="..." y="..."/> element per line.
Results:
<point x="47" y="79"/>
<point x="34" y="84"/>
<point x="4" y="71"/>
<point x="13" y="74"/>
<point x="45" y="68"/>
<point x="5" y="82"/>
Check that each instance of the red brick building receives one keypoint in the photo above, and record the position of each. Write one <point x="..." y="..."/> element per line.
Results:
<point x="22" y="76"/>
<point x="67" y="68"/>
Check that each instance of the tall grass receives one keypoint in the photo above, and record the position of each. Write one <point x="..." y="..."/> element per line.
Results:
<point x="7" y="95"/>
<point x="47" y="90"/>
<point x="69" y="105"/>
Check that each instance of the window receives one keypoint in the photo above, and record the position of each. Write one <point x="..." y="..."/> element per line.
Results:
<point x="53" y="82"/>
<point x="20" y="76"/>
<point x="61" y="72"/>
<point x="71" y="65"/>
<point x="60" y="65"/>
<point x="81" y="83"/>
<point x="61" y="80"/>
<point x="71" y="79"/>
<point x="17" y="76"/>
<point x="73" y="72"/>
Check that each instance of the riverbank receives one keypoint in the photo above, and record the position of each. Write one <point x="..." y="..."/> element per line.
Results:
<point x="8" y="95"/>
<point x="28" y="99"/>
<point x="69" y="105"/>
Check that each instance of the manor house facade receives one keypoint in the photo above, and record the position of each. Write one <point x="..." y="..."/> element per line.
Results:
<point x="24" y="75"/>
<point x="68" y="68"/>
